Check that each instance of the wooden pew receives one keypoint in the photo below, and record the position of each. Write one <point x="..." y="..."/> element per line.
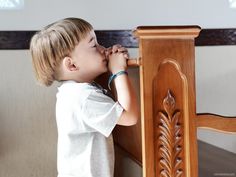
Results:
<point x="164" y="142"/>
<point x="166" y="134"/>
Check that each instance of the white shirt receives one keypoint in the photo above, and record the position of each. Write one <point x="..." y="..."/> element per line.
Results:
<point x="85" y="119"/>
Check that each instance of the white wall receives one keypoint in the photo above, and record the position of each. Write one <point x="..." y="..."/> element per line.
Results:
<point x="123" y="14"/>
<point x="215" y="80"/>
<point x="215" y="90"/>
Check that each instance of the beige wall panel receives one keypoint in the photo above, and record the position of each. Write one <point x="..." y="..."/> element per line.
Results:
<point x="27" y="120"/>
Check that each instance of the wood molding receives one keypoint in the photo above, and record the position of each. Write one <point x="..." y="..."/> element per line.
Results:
<point x="19" y="40"/>
<point x="216" y="122"/>
<point x="173" y="32"/>
<point x="15" y="39"/>
<point x="214" y="37"/>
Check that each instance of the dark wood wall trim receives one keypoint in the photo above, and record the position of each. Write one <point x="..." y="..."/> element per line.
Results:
<point x="15" y="39"/>
<point x="208" y="37"/>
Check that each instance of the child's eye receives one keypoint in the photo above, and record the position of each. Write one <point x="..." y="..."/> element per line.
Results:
<point x="95" y="45"/>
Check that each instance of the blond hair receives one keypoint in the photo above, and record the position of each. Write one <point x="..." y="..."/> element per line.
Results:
<point x="54" y="42"/>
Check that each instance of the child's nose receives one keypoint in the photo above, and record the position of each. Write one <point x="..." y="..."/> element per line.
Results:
<point x="101" y="49"/>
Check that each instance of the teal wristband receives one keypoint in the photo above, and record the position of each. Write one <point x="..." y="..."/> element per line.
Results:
<point x="113" y="76"/>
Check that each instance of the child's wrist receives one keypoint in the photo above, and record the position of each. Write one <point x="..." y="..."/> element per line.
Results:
<point x="114" y="71"/>
<point x="115" y="75"/>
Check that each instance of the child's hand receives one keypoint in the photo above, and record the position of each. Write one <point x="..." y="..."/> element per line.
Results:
<point x="117" y="56"/>
<point x="118" y="48"/>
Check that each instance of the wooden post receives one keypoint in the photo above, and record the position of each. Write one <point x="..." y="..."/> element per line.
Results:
<point x="168" y="108"/>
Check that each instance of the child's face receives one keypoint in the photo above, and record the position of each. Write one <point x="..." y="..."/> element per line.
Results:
<point x="90" y="57"/>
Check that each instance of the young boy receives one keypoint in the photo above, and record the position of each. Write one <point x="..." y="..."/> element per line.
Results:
<point x="67" y="51"/>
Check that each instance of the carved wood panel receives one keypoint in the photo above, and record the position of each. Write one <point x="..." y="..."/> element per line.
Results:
<point x="170" y="116"/>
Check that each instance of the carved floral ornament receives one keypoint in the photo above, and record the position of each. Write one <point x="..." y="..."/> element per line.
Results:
<point x="170" y="139"/>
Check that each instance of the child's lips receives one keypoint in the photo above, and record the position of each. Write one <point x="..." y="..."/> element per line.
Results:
<point x="105" y="60"/>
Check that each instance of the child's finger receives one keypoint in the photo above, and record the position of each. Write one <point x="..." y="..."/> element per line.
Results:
<point x="126" y="55"/>
<point x="122" y="49"/>
<point x="115" y="48"/>
<point x="108" y="51"/>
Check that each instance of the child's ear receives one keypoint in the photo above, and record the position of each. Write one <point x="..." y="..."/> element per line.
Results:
<point x="69" y="64"/>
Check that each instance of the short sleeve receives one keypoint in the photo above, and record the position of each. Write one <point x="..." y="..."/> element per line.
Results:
<point x="101" y="113"/>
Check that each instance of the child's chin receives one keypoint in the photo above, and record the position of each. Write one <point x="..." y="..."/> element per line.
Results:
<point x="106" y="70"/>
